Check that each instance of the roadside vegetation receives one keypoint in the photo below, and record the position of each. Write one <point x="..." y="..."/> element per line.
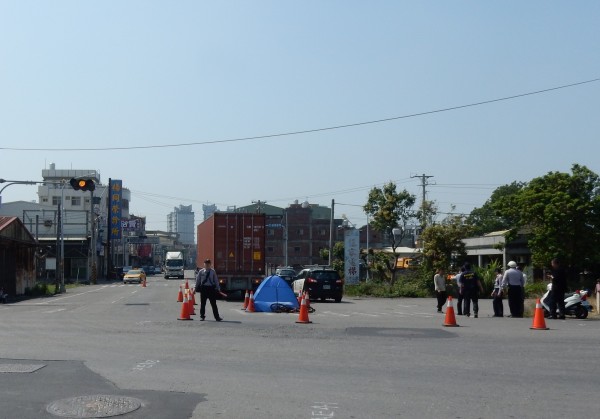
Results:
<point x="558" y="213"/>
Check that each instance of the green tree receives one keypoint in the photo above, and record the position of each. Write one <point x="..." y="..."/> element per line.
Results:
<point x="390" y="211"/>
<point x="444" y="243"/>
<point x="562" y="211"/>
<point x="497" y="213"/>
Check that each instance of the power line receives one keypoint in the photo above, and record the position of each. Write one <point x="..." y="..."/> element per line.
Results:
<point x="309" y="131"/>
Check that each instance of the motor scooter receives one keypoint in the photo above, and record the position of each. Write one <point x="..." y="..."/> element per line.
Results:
<point x="574" y="303"/>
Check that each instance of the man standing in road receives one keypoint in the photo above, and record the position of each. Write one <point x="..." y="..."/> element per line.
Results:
<point x="460" y="292"/>
<point x="559" y="287"/>
<point x="207" y="284"/>
<point x="513" y="279"/>
<point x="471" y="287"/>
<point x="440" y="289"/>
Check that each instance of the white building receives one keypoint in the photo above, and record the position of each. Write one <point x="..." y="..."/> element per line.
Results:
<point x="181" y="221"/>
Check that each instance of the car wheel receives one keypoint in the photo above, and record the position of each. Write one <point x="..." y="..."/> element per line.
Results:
<point x="338" y="299"/>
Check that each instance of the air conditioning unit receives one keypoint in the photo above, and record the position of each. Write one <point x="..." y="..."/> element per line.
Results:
<point x="47" y="223"/>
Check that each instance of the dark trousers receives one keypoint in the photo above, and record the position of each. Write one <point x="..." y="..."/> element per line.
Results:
<point x="498" y="306"/>
<point x="209" y="293"/>
<point x="515" y="300"/>
<point x="459" y="302"/>
<point x="471" y="295"/>
<point x="557" y="298"/>
<point x="441" y="299"/>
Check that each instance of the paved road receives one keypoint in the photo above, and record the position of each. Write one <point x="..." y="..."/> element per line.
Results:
<point x="362" y="358"/>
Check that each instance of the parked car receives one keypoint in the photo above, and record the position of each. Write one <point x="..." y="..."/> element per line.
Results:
<point x="320" y="283"/>
<point x="287" y="273"/>
<point x="135" y="275"/>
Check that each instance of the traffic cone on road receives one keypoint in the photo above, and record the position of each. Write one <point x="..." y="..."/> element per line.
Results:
<point x="190" y="303"/>
<point x="307" y="298"/>
<point x="246" y="300"/>
<point x="303" y="316"/>
<point x="450" y="320"/>
<point x="250" y="308"/>
<point x="187" y="285"/>
<point x="193" y="294"/>
<point x="539" y="322"/>
<point x="300" y="297"/>
<point x="180" y="295"/>
<point x="185" y="314"/>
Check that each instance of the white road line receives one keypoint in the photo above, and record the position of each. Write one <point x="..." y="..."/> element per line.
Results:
<point x="335" y="314"/>
<point x="54" y="311"/>
<point x="68" y="296"/>
<point x="365" y="314"/>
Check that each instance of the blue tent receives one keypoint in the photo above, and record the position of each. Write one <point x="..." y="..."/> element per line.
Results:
<point x="274" y="289"/>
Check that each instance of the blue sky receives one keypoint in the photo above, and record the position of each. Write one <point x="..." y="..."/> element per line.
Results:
<point x="117" y="75"/>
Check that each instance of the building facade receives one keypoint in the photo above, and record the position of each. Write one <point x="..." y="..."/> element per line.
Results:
<point x="181" y="221"/>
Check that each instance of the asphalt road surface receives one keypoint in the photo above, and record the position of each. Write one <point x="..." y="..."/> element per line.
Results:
<point x="120" y="350"/>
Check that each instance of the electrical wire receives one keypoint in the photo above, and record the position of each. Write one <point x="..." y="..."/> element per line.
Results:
<point x="309" y="131"/>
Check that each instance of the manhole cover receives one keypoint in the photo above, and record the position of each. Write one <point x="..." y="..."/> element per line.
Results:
<point x="95" y="406"/>
<point x="22" y="368"/>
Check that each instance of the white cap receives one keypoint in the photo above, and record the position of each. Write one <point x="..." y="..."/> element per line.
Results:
<point x="512" y="264"/>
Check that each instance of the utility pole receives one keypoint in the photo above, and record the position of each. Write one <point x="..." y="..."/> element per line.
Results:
<point x="424" y="183"/>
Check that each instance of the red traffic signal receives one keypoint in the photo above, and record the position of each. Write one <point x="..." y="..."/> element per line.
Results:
<point x="83" y="184"/>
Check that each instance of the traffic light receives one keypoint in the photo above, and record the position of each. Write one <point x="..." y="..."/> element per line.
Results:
<point x="83" y="184"/>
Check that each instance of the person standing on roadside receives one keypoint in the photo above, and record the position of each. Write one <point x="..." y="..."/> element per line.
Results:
<point x="460" y="292"/>
<point x="207" y="284"/>
<point x="559" y="287"/>
<point x="497" y="294"/>
<point x="440" y="288"/>
<point x="471" y="288"/>
<point x="513" y="279"/>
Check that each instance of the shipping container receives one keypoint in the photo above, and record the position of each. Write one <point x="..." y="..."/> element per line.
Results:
<point x="235" y="243"/>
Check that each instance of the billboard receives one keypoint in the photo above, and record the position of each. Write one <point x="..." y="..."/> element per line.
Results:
<point x="116" y="195"/>
<point x="351" y="256"/>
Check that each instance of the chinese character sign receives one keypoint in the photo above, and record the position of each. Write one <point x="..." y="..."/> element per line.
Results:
<point x="351" y="256"/>
<point x="116" y="194"/>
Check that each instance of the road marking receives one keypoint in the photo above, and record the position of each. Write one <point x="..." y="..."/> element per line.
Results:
<point x="365" y="314"/>
<point x="67" y="296"/>
<point x="54" y="311"/>
<point x="336" y="314"/>
<point x="140" y="366"/>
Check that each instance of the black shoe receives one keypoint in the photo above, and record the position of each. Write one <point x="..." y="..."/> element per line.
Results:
<point x="475" y="315"/>
<point x="562" y="317"/>
<point x="219" y="319"/>
<point x="439" y="311"/>
<point x="202" y="318"/>
<point x="468" y="314"/>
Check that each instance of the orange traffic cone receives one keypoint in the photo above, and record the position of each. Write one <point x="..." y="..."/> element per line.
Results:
<point x="450" y="320"/>
<point x="539" y="323"/>
<point x="190" y="303"/>
<point x="246" y="300"/>
<point x="303" y="316"/>
<point x="193" y="294"/>
<point x="185" y="314"/>
<point x="307" y="298"/>
<point x="187" y="286"/>
<point x="300" y="297"/>
<point x="250" y="308"/>
<point x="180" y="295"/>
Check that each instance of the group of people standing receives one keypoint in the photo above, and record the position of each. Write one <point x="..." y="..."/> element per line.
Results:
<point x="513" y="280"/>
